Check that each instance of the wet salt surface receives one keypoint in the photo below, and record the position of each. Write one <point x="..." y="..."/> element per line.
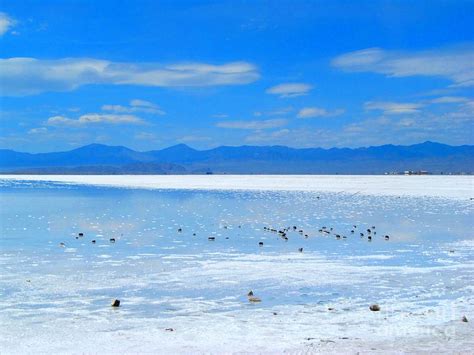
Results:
<point x="55" y="299"/>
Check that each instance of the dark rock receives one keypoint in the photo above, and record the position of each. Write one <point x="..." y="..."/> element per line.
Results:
<point x="464" y="319"/>
<point x="374" y="308"/>
<point x="169" y="329"/>
<point x="115" y="303"/>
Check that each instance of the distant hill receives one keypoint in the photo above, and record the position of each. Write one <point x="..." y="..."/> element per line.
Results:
<point x="182" y="159"/>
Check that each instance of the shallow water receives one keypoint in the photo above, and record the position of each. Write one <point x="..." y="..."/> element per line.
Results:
<point x="58" y="298"/>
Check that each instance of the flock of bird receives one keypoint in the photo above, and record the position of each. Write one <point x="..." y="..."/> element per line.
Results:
<point x="283" y="234"/>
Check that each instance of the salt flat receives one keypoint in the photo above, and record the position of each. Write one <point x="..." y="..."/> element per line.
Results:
<point x="169" y="275"/>
<point x="459" y="187"/>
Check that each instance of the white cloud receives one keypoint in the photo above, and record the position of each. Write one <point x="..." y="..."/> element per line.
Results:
<point x="290" y="89"/>
<point x="93" y="118"/>
<point x="449" y="100"/>
<point x="311" y="112"/>
<point x="39" y="130"/>
<point x="28" y="76"/>
<point x="6" y="23"/>
<point x="268" y="137"/>
<point x="393" y="108"/>
<point x="264" y="124"/>
<point x="142" y="103"/>
<point x="456" y="65"/>
<point x="135" y="106"/>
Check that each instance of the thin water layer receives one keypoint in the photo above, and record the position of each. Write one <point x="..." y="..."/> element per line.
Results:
<point x="169" y="274"/>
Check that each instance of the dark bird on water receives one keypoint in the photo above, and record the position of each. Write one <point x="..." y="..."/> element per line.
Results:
<point x="112" y="240"/>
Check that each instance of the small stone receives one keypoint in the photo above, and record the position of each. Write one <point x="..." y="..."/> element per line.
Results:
<point x="374" y="308"/>
<point x="115" y="303"/>
<point x="464" y="319"/>
<point x="169" y="329"/>
<point x="330" y="309"/>
<point x="275" y="313"/>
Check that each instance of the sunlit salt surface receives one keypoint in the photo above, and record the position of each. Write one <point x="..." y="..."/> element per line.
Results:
<point x="57" y="299"/>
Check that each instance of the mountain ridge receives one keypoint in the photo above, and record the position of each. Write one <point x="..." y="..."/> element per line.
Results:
<point x="183" y="159"/>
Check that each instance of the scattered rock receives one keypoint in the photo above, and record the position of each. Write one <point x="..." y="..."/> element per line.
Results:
<point x="252" y="298"/>
<point x="374" y="308"/>
<point x="464" y="319"/>
<point x="115" y="303"/>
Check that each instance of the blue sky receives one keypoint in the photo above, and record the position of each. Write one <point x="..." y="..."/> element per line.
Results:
<point x="150" y="74"/>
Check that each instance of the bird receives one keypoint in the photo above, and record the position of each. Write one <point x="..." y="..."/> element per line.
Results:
<point x="93" y="241"/>
<point x="260" y="244"/>
<point x="387" y="237"/>
<point x="300" y="250"/>
<point x="112" y="240"/>
<point x="252" y="298"/>
<point x="211" y="238"/>
<point x="369" y="238"/>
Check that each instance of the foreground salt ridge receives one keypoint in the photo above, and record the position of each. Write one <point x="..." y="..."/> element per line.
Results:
<point x="457" y="187"/>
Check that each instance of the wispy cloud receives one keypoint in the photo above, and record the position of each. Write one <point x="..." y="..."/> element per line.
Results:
<point x="39" y="130"/>
<point x="393" y="108"/>
<point x="456" y="65"/>
<point x="312" y="112"/>
<point x="449" y="100"/>
<point x="268" y="137"/>
<point x="135" y="106"/>
<point x="264" y="124"/>
<point x="93" y="118"/>
<point x="6" y="23"/>
<point x="290" y="89"/>
<point x="28" y="76"/>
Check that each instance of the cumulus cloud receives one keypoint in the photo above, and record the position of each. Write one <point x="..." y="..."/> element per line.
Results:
<point x="135" y="106"/>
<point x="393" y="108"/>
<point x="93" y="118"/>
<point x="312" y="112"/>
<point x="28" y="76"/>
<point x="456" y="65"/>
<point x="6" y="22"/>
<point x="290" y="89"/>
<point x="264" y="124"/>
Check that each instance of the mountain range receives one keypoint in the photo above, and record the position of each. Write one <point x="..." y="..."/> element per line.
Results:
<point x="182" y="159"/>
